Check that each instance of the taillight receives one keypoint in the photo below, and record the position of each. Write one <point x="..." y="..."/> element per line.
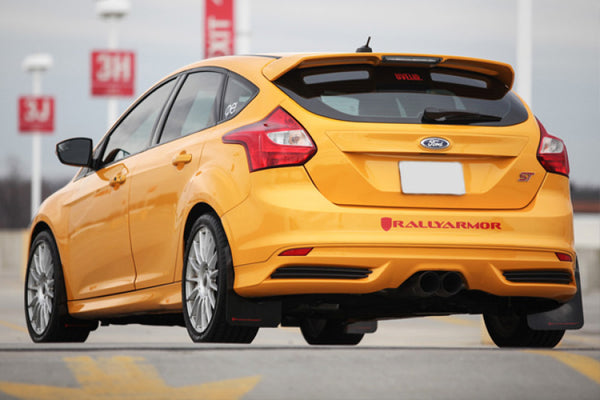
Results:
<point x="552" y="153"/>
<point x="276" y="141"/>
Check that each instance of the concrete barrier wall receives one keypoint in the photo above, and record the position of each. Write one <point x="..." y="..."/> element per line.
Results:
<point x="587" y="245"/>
<point x="13" y="250"/>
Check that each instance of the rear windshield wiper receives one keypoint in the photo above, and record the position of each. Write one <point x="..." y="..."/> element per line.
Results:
<point x="436" y="116"/>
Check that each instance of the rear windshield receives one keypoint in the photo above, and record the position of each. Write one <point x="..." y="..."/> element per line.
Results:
<point x="403" y="95"/>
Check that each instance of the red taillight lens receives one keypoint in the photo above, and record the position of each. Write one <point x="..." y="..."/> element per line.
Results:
<point x="552" y="153"/>
<point x="276" y="141"/>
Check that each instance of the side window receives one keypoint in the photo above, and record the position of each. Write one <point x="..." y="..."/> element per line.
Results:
<point x="134" y="132"/>
<point x="238" y="94"/>
<point x="195" y="107"/>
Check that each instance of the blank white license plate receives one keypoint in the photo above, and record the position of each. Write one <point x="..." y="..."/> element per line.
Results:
<point x="424" y="177"/>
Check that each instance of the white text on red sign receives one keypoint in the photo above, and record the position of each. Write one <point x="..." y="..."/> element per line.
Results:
<point x="36" y="114"/>
<point x="219" y="28"/>
<point x="113" y="73"/>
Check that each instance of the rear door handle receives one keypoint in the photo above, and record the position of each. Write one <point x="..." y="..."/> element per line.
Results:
<point x="182" y="158"/>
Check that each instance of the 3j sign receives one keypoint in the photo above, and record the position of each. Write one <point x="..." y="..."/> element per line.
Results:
<point x="113" y="73"/>
<point x="36" y="114"/>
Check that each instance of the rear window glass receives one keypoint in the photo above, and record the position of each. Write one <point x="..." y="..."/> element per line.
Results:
<point x="403" y="95"/>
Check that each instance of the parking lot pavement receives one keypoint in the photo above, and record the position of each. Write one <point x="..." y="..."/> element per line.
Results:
<point x="452" y="331"/>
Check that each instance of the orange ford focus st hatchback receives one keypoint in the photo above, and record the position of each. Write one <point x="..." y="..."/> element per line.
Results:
<point x="322" y="191"/>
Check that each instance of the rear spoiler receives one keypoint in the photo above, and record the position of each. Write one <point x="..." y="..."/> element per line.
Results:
<point x="284" y="63"/>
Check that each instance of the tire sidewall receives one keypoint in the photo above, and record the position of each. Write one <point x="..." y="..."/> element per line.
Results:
<point x="223" y="266"/>
<point x="58" y="301"/>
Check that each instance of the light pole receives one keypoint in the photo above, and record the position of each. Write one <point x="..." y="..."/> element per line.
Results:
<point x="524" y="50"/>
<point x="36" y="64"/>
<point x="112" y="11"/>
<point x="243" y="27"/>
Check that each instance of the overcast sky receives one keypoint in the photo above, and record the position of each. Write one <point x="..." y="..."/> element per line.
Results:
<point x="169" y="34"/>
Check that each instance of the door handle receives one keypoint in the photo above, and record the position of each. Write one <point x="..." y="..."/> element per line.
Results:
<point x="117" y="180"/>
<point x="182" y="158"/>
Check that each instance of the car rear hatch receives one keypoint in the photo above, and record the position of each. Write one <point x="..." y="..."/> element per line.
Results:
<point x="413" y="131"/>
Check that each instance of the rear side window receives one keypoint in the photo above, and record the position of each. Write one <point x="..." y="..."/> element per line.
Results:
<point x="238" y="94"/>
<point x="403" y="95"/>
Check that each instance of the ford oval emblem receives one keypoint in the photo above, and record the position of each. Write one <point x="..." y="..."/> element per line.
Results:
<point x="435" y="143"/>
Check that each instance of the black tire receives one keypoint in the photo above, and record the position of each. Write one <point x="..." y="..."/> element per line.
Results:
<point x="204" y="285"/>
<point x="45" y="297"/>
<point x="511" y="330"/>
<point x="328" y="332"/>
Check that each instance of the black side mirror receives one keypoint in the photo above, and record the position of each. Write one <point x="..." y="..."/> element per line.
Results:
<point x="76" y="151"/>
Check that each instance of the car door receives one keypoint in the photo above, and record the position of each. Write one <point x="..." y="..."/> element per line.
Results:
<point x="99" y="256"/>
<point x="156" y="209"/>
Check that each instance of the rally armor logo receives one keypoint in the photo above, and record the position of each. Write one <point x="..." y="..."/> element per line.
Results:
<point x="386" y="223"/>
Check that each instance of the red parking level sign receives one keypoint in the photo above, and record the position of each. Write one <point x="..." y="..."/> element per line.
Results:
<point x="113" y="73"/>
<point x="36" y="114"/>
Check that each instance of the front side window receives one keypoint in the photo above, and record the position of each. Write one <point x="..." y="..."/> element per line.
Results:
<point x="195" y="107"/>
<point x="134" y="132"/>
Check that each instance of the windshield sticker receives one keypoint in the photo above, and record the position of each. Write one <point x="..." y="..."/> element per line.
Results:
<point x="403" y="76"/>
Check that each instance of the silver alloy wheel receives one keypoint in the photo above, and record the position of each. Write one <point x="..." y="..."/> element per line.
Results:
<point x="40" y="288"/>
<point x="201" y="280"/>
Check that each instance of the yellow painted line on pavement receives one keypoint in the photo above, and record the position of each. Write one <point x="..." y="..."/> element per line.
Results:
<point x="123" y="377"/>
<point x="13" y="326"/>
<point x="586" y="366"/>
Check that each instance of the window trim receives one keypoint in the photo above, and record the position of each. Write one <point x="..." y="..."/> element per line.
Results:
<point x="97" y="165"/>
<point x="169" y="105"/>
<point x="227" y="74"/>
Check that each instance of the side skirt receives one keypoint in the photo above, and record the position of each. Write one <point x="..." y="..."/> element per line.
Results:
<point x="159" y="299"/>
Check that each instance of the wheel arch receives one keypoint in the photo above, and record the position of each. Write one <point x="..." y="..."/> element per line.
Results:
<point x="196" y="211"/>
<point x="40" y="226"/>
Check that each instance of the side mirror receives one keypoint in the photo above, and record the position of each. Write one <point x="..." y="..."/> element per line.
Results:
<point x="76" y="151"/>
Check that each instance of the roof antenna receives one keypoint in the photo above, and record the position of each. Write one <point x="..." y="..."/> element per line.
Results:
<point x="365" y="48"/>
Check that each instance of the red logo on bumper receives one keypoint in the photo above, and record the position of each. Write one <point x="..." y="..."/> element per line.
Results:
<point x="388" y="223"/>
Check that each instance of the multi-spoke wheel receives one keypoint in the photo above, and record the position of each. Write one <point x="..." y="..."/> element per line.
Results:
<point x="511" y="330"/>
<point x="45" y="299"/>
<point x="204" y="285"/>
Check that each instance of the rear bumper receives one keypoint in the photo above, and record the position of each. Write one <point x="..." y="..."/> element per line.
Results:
<point x="285" y="211"/>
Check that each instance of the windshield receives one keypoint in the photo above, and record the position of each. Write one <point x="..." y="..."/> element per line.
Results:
<point x="403" y="95"/>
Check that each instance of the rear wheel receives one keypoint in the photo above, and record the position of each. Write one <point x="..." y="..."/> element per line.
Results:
<point x="204" y="285"/>
<point x="45" y="299"/>
<point x="328" y="332"/>
<point x="511" y="330"/>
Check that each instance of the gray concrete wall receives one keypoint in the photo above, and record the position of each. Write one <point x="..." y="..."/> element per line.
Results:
<point x="13" y="251"/>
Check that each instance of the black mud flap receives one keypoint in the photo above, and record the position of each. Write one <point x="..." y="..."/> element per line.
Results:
<point x="250" y="312"/>
<point x="567" y="316"/>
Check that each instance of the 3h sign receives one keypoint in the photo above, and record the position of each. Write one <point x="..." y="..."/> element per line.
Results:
<point x="36" y="114"/>
<point x="113" y="73"/>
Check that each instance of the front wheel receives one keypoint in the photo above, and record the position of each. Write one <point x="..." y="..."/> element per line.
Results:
<point x="45" y="299"/>
<point x="511" y="330"/>
<point x="204" y="285"/>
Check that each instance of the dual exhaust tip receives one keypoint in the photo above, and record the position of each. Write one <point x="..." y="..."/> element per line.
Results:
<point x="430" y="283"/>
